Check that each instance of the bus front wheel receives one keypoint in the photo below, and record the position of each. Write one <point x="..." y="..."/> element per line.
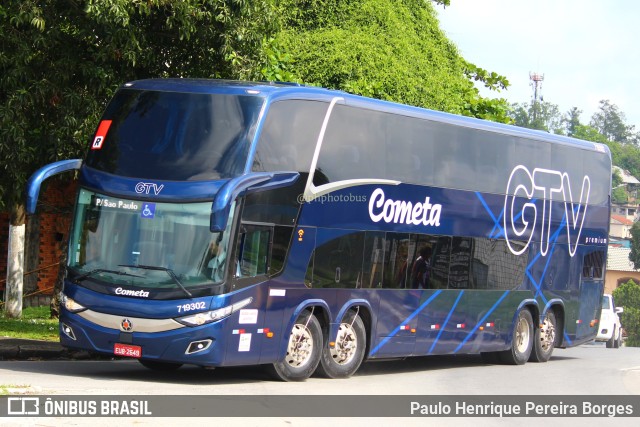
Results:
<point x="303" y="350"/>
<point x="342" y="357"/>
<point x="544" y="338"/>
<point x="521" y="340"/>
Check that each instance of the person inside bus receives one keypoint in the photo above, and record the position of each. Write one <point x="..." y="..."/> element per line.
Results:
<point x="217" y="262"/>
<point x="421" y="271"/>
<point x="401" y="276"/>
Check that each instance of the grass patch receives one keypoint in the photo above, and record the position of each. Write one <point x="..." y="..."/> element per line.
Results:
<point x="35" y="324"/>
<point x="6" y="388"/>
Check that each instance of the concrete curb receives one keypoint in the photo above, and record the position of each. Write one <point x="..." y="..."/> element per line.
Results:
<point x="25" y="349"/>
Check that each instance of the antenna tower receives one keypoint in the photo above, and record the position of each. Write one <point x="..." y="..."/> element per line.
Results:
<point x="536" y="84"/>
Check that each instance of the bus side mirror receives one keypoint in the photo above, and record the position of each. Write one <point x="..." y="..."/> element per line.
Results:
<point x="238" y="185"/>
<point x="35" y="181"/>
<point x="228" y="193"/>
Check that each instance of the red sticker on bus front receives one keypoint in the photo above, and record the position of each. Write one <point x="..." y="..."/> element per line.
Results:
<point x="101" y="134"/>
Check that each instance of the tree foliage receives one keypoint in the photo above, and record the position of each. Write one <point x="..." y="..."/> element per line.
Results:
<point x="610" y="122"/>
<point x="627" y="296"/>
<point x="538" y="115"/>
<point x="393" y="51"/>
<point x="634" y="255"/>
<point x="62" y="60"/>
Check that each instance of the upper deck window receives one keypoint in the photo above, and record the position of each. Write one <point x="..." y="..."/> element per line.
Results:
<point x="369" y="144"/>
<point x="289" y="136"/>
<point x="177" y="136"/>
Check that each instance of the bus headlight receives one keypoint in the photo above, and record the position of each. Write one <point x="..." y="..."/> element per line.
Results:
<point x="213" y="315"/>
<point x="71" y="305"/>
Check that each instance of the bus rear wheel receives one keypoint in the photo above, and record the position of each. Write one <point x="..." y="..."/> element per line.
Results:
<point x="343" y="358"/>
<point x="521" y="340"/>
<point x="544" y="338"/>
<point x="303" y="350"/>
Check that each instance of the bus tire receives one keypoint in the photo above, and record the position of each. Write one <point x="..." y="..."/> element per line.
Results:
<point x="303" y="350"/>
<point x="521" y="340"/>
<point x="544" y="339"/>
<point x="344" y="358"/>
<point x="156" y="365"/>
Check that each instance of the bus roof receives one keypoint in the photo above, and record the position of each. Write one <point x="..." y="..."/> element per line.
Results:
<point x="282" y="90"/>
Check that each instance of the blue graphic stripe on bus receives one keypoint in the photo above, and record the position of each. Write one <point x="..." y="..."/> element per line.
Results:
<point x="496" y="222"/>
<point x="475" y="328"/>
<point x="446" y="321"/>
<point x="397" y="329"/>
<point x="538" y="284"/>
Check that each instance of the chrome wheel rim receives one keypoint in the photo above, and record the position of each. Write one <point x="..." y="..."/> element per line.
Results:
<point x="547" y="334"/>
<point x="346" y="345"/>
<point x="300" y="346"/>
<point x="522" y="335"/>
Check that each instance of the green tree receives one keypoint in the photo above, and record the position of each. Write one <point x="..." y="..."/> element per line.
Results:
<point x="634" y="255"/>
<point x="62" y="60"/>
<point x="538" y="115"/>
<point x="393" y="51"/>
<point x="618" y="193"/>
<point x="572" y="121"/>
<point x="610" y="122"/>
<point x="627" y="296"/>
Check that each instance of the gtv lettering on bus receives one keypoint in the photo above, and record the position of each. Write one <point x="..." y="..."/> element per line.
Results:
<point x="520" y="221"/>
<point x="400" y="211"/>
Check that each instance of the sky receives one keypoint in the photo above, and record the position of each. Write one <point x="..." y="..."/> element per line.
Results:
<point x="587" y="50"/>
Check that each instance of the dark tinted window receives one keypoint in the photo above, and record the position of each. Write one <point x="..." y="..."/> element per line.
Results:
<point x="397" y="264"/>
<point x="592" y="265"/>
<point x="289" y="136"/>
<point x="414" y="261"/>
<point x="494" y="266"/>
<point x="338" y="262"/>
<point x="361" y="144"/>
<point x="176" y="136"/>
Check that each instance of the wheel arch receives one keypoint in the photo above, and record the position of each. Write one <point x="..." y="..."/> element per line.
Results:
<point x="318" y="307"/>
<point x="530" y="305"/>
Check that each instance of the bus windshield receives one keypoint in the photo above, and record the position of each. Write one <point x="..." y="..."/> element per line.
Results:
<point x="165" y="249"/>
<point x="175" y="136"/>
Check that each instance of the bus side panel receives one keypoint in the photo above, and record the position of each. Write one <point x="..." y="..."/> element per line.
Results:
<point x="492" y="316"/>
<point x="283" y="307"/>
<point x="394" y="334"/>
<point x="441" y="322"/>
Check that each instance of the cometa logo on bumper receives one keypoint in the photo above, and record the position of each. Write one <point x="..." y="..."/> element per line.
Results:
<point x="131" y="293"/>
<point x="403" y="212"/>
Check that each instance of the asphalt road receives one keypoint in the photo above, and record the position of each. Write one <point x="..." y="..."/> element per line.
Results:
<point x="586" y="370"/>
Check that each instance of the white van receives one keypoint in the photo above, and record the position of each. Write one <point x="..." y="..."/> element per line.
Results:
<point x="609" y="328"/>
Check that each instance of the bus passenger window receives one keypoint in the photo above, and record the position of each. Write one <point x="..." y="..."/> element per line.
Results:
<point x="254" y="246"/>
<point x="592" y="264"/>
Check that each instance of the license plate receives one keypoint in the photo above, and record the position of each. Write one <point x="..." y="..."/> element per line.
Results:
<point x="127" y="350"/>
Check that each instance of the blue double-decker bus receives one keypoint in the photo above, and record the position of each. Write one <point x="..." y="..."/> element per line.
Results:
<point x="224" y="223"/>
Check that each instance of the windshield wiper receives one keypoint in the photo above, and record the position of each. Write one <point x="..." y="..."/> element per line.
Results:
<point x="166" y="270"/>
<point x="102" y="270"/>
